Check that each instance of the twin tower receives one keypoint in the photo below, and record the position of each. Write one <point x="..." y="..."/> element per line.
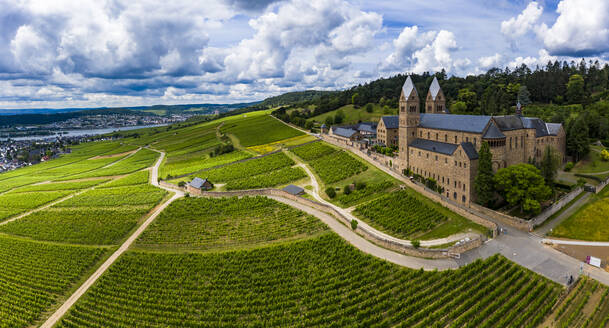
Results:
<point x="410" y="114"/>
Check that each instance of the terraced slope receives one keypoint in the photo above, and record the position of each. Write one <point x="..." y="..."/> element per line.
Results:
<point x="318" y="282"/>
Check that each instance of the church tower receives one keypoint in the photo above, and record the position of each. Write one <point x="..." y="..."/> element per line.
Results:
<point x="435" y="103"/>
<point x="409" y="115"/>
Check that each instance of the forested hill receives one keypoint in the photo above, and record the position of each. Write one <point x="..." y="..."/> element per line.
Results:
<point x="575" y="94"/>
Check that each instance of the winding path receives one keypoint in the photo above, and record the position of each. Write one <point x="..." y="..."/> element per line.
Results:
<point x="57" y="315"/>
<point x="426" y="243"/>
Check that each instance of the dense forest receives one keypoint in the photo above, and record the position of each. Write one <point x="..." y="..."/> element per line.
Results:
<point x="575" y="94"/>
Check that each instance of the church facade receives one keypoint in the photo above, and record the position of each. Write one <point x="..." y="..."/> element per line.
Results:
<point x="444" y="146"/>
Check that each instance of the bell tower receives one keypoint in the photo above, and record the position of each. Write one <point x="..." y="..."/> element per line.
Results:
<point x="409" y="117"/>
<point x="435" y="102"/>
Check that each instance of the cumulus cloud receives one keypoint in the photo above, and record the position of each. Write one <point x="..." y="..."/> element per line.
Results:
<point x="523" y="23"/>
<point x="581" y="29"/>
<point x="542" y="59"/>
<point x="490" y="61"/>
<point x="422" y="51"/>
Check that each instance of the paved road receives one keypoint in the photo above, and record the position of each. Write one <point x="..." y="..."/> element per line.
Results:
<point x="55" y="317"/>
<point x="577" y="242"/>
<point x="350" y="217"/>
<point x="368" y="247"/>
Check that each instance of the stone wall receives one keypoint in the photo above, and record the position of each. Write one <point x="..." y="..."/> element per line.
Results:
<point x="370" y="235"/>
<point x="543" y="216"/>
<point x="464" y="211"/>
<point x="512" y="221"/>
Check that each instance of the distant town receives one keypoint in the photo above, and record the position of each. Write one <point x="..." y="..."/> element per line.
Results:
<point x="30" y="144"/>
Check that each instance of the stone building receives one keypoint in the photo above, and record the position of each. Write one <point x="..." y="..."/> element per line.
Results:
<point x="387" y="131"/>
<point x="445" y="147"/>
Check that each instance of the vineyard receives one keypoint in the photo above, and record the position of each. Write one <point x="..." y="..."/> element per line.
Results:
<point x="268" y="171"/>
<point x="15" y="203"/>
<point x="587" y="305"/>
<point x="140" y="177"/>
<point x="201" y="223"/>
<point x="144" y="158"/>
<point x="198" y="163"/>
<point x="404" y="215"/>
<point x="321" y="281"/>
<point x="259" y="130"/>
<point x="118" y="196"/>
<point x="81" y="225"/>
<point x="60" y="186"/>
<point x="330" y="164"/>
<point x="34" y="275"/>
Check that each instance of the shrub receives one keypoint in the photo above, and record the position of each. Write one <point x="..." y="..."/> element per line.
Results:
<point x="605" y="155"/>
<point x="330" y="192"/>
<point x="347" y="190"/>
<point x="354" y="224"/>
<point x="416" y="243"/>
<point x="569" y="166"/>
<point x="369" y="108"/>
<point x="359" y="185"/>
<point x="182" y="184"/>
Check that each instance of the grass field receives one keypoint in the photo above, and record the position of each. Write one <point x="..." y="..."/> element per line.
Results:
<point x="321" y="281"/>
<point x="204" y="224"/>
<point x="34" y="275"/>
<point x="592" y="163"/>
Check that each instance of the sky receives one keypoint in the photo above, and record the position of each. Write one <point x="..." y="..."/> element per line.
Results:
<point x="94" y="53"/>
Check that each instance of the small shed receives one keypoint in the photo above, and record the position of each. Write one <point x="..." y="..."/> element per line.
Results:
<point x="199" y="184"/>
<point x="294" y="190"/>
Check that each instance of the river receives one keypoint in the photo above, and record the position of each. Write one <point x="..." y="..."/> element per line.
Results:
<point x="82" y="132"/>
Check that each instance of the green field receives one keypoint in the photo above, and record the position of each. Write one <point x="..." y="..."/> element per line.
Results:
<point x="590" y="222"/>
<point x="204" y="224"/>
<point x="321" y="281"/>
<point x="402" y="214"/>
<point x="592" y="163"/>
<point x="34" y="275"/>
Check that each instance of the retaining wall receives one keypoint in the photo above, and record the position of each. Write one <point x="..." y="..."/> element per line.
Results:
<point x="549" y="211"/>
<point x="370" y="235"/>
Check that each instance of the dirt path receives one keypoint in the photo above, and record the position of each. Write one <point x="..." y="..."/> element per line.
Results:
<point x="55" y="317"/>
<point x="131" y="153"/>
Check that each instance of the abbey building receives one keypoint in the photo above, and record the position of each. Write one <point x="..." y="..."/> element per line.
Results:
<point x="443" y="146"/>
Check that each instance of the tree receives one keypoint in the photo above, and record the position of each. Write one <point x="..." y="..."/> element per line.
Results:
<point x="577" y="138"/>
<point x="458" y="107"/>
<point x="330" y="192"/>
<point x="339" y="117"/>
<point x="575" y="89"/>
<point x="524" y="95"/>
<point x="369" y="108"/>
<point x="347" y="190"/>
<point x="483" y="183"/>
<point x="522" y="185"/>
<point x="355" y="99"/>
<point x="469" y="98"/>
<point x="309" y="125"/>
<point x="549" y="165"/>
<point x="605" y="155"/>
<point x="329" y="120"/>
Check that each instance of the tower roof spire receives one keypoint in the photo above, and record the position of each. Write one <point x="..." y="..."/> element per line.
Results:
<point x="408" y="87"/>
<point x="434" y="88"/>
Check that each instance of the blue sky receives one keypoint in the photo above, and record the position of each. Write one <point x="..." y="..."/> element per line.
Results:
<point x="91" y="53"/>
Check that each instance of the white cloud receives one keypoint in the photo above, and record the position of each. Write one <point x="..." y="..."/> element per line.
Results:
<point x="421" y="52"/>
<point x="581" y="29"/>
<point x="490" y="61"/>
<point x="542" y="59"/>
<point x="520" y="25"/>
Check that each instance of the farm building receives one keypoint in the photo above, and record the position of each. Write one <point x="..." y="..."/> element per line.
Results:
<point x="293" y="190"/>
<point x="198" y="184"/>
